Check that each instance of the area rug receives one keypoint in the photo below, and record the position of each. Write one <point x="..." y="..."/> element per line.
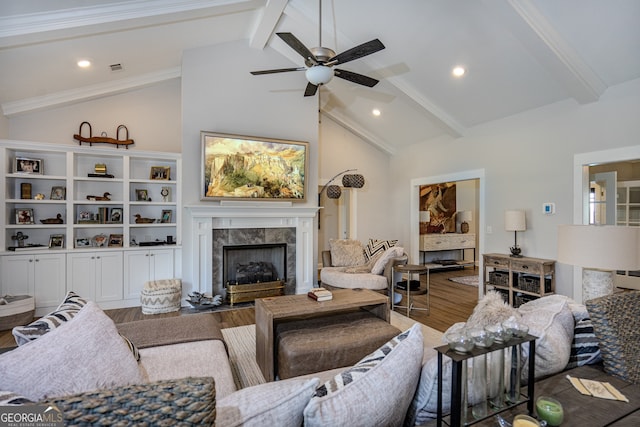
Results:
<point x="241" y="342"/>
<point x="466" y="280"/>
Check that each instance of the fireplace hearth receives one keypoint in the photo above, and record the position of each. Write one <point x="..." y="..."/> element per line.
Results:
<point x="254" y="271"/>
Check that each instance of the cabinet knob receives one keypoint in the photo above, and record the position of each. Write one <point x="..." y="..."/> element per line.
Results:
<point x="37" y="260"/>
<point x="30" y="260"/>
<point x="93" y="257"/>
<point x="97" y="257"/>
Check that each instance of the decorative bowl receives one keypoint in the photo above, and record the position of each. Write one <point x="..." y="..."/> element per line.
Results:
<point x="500" y="334"/>
<point x="459" y="341"/>
<point x="517" y="329"/>
<point x="550" y="410"/>
<point x="481" y="337"/>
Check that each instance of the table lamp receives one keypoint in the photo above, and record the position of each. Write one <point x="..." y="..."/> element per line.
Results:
<point x="465" y="217"/>
<point x="599" y="250"/>
<point x="515" y="221"/>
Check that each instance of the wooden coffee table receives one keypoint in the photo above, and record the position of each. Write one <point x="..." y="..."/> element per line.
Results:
<point x="270" y="311"/>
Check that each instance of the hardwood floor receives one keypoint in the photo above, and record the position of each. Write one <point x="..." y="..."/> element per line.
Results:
<point x="450" y="303"/>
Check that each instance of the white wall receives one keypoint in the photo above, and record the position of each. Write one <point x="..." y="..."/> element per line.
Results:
<point x="528" y="160"/>
<point x="152" y="115"/>
<point x="217" y="97"/>
<point x="340" y="150"/>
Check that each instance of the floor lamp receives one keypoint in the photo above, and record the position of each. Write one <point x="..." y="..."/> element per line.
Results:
<point x="599" y="250"/>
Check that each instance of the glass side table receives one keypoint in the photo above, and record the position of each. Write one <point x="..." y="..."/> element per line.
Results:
<point x="410" y="270"/>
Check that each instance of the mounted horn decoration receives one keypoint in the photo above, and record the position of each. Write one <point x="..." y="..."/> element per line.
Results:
<point x="353" y="180"/>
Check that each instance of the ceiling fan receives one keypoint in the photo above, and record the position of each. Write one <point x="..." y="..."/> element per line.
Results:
<point x="319" y="61"/>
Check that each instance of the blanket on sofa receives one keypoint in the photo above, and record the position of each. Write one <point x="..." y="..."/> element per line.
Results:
<point x="172" y="330"/>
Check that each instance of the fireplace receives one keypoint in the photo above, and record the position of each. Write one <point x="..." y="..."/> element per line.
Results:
<point x="254" y="271"/>
<point x="210" y="227"/>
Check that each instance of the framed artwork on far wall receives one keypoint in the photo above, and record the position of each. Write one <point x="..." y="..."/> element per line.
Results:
<point x="253" y="168"/>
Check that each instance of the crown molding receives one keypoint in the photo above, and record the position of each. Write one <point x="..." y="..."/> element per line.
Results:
<point x="87" y="93"/>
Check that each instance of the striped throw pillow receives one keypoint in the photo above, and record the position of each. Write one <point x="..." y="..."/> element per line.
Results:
<point x="585" y="348"/>
<point x="377" y="247"/>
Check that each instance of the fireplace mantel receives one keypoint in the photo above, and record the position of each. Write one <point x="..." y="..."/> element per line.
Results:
<point x="205" y="218"/>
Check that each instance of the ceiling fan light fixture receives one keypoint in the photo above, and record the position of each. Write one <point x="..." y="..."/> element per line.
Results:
<point x="319" y="74"/>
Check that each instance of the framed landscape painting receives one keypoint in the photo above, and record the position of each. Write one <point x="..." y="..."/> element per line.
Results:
<point x="252" y="168"/>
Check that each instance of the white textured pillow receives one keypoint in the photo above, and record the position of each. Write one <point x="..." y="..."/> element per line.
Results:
<point x="278" y="403"/>
<point x="381" y="262"/>
<point x="550" y="319"/>
<point x="346" y="253"/>
<point x="374" y="392"/>
<point x="86" y="354"/>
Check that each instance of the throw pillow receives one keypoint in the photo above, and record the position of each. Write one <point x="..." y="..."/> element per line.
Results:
<point x="278" y="403"/>
<point x="550" y="319"/>
<point x="353" y="398"/>
<point x="375" y="247"/>
<point x="585" y="348"/>
<point x="491" y="309"/>
<point x="186" y="401"/>
<point x="381" y="262"/>
<point x="9" y="398"/>
<point x="346" y="253"/>
<point x="69" y="307"/>
<point x="87" y="354"/>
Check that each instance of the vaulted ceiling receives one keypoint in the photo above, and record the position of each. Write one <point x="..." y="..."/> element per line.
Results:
<point x="518" y="54"/>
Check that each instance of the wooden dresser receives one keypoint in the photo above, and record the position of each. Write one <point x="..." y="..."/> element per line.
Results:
<point x="448" y="242"/>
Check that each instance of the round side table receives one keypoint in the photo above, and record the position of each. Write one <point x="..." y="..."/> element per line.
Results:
<point x="410" y="270"/>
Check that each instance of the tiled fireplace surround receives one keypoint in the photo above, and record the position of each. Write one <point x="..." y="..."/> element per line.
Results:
<point x="252" y="223"/>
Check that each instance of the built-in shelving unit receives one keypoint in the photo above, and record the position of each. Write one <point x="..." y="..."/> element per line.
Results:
<point x="58" y="200"/>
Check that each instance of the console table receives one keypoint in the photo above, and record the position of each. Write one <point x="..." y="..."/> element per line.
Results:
<point x="448" y="242"/>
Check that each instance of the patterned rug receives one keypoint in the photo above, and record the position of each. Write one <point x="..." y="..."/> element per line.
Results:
<point x="466" y="280"/>
<point x="241" y="342"/>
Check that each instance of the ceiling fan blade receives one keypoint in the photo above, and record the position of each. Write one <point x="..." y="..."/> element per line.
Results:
<point x="297" y="45"/>
<point x="310" y="90"/>
<point x="355" y="77"/>
<point x="364" y="49"/>
<point x="277" y="70"/>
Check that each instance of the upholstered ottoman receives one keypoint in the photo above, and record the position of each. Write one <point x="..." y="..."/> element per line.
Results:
<point x="319" y="344"/>
<point x="161" y="296"/>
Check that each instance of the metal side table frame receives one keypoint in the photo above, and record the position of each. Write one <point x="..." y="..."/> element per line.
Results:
<point x="409" y="270"/>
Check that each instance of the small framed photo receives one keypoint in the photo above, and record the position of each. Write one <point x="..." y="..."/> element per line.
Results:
<point x="99" y="240"/>
<point x="165" y="192"/>
<point x="24" y="216"/>
<point x="116" y="215"/>
<point x="166" y="215"/>
<point x="28" y="165"/>
<point x="56" y="241"/>
<point x="115" y="240"/>
<point x="160" y="172"/>
<point x="58" y="193"/>
<point x="142" y="195"/>
<point x="83" y="242"/>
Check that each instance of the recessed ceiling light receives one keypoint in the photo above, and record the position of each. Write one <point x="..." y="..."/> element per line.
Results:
<point x="458" y="71"/>
<point x="376" y="112"/>
<point x="84" y="63"/>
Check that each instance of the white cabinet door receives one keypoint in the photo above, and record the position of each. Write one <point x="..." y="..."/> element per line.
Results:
<point x="96" y="275"/>
<point x="161" y="266"/>
<point x="81" y="274"/>
<point x="17" y="275"/>
<point x="40" y="275"/>
<point x="109" y="280"/>
<point x="144" y="265"/>
<point x="49" y="279"/>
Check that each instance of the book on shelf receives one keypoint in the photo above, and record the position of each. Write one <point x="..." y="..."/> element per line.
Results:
<point x="320" y="294"/>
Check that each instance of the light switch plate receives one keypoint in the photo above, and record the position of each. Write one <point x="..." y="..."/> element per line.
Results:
<point x="548" y="208"/>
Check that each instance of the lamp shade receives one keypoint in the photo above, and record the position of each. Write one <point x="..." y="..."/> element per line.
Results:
<point x="515" y="221"/>
<point x="319" y="74"/>
<point x="465" y="216"/>
<point x="604" y="247"/>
